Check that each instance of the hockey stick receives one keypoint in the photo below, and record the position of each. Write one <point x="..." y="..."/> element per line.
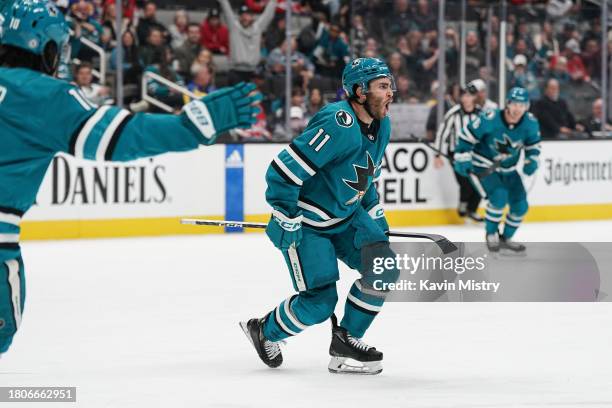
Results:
<point x="490" y="170"/>
<point x="442" y="242"/>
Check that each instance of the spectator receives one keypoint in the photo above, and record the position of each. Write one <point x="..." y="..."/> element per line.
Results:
<point x="245" y="32"/>
<point x="213" y="34"/>
<point x="572" y="54"/>
<point x="149" y="22"/>
<point x="583" y="94"/>
<point x="427" y="68"/>
<point x="372" y="49"/>
<point x="110" y="22"/>
<point x="201" y="84"/>
<point x="332" y="53"/>
<point x="474" y="55"/>
<point x="154" y="44"/>
<point x="593" y="124"/>
<point x="592" y="58"/>
<point x="401" y="20"/>
<point x="397" y="65"/>
<point x="85" y="26"/>
<point x="425" y="18"/>
<point x="360" y="35"/>
<point x="523" y="77"/>
<point x="204" y="58"/>
<point x="95" y="93"/>
<point x="187" y="53"/>
<point x="275" y="35"/>
<point x="554" y="116"/>
<point x="451" y="97"/>
<point x="178" y="29"/>
<point x="161" y="64"/>
<point x="314" y="104"/>
<point x="132" y="63"/>
<point x="301" y="66"/>
<point x="559" y="72"/>
<point x="406" y="91"/>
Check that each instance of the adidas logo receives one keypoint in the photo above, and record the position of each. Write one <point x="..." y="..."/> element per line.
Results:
<point x="234" y="160"/>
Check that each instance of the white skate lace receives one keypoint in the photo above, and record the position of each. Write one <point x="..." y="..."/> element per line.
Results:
<point x="272" y="348"/>
<point x="357" y="343"/>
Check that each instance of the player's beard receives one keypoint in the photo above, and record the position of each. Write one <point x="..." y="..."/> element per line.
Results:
<point x="378" y="108"/>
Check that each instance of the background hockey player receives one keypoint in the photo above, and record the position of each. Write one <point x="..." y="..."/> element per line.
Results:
<point x="447" y="137"/>
<point x="499" y="136"/>
<point x="41" y="116"/>
<point x="325" y="207"/>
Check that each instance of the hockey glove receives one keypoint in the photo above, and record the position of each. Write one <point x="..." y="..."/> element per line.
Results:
<point x="225" y="109"/>
<point x="463" y="163"/>
<point x="284" y="231"/>
<point x="378" y="215"/>
<point x="530" y="166"/>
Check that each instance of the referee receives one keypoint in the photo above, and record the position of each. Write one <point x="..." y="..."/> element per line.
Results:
<point x="456" y="119"/>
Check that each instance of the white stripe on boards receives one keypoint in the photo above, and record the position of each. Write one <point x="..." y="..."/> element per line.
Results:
<point x="15" y="285"/>
<point x="291" y="316"/>
<point x="363" y="304"/>
<point x="84" y="133"/>
<point x="299" y="161"/>
<point x="108" y="133"/>
<point x="282" y="324"/>
<point x="287" y="172"/>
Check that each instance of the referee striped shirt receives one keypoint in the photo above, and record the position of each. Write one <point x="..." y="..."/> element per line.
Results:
<point x="454" y="121"/>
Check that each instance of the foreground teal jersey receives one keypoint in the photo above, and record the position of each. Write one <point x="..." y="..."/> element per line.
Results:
<point x="328" y="171"/>
<point x="490" y="139"/>
<point x="41" y="116"/>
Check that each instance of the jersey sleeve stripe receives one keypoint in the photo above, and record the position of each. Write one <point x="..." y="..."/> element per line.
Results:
<point x="304" y="158"/>
<point x="313" y="209"/>
<point x="97" y="134"/>
<point x="329" y="214"/>
<point x="299" y="161"/>
<point x="79" y="144"/>
<point x="110" y="132"/>
<point x="13" y="211"/>
<point x="283" y="169"/>
<point x="112" y="144"/>
<point x="280" y="172"/>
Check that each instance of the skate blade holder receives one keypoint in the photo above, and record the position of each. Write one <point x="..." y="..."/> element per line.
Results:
<point x="345" y="365"/>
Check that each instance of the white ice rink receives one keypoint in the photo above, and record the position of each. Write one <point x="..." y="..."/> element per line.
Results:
<point x="152" y="322"/>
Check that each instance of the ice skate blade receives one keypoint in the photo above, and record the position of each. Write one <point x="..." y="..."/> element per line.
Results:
<point x="339" y="365"/>
<point x="245" y="329"/>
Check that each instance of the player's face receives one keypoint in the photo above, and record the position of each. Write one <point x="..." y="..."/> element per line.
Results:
<point x="379" y="96"/>
<point x="515" y="111"/>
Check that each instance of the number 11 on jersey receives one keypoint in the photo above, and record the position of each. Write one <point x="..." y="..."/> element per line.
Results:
<point x="316" y="137"/>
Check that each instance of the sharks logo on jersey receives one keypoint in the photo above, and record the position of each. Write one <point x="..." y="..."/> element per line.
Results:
<point x="506" y="147"/>
<point x="363" y="177"/>
<point x="344" y="119"/>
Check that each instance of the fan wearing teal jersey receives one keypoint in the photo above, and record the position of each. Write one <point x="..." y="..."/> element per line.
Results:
<point x="41" y="116"/>
<point x="497" y="138"/>
<point x="325" y="207"/>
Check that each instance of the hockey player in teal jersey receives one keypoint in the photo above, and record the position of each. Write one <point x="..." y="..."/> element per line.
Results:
<point x="496" y="138"/>
<point x="325" y="208"/>
<point x="41" y="116"/>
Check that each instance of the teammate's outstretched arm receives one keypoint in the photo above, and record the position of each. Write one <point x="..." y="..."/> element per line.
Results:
<point x="114" y="134"/>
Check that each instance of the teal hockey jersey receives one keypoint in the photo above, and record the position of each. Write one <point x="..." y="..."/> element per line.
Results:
<point x="41" y="116"/>
<point x="491" y="139"/>
<point x="328" y="171"/>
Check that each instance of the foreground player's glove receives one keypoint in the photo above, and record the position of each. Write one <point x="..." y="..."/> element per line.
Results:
<point x="530" y="166"/>
<point x="225" y="109"/>
<point x="284" y="231"/>
<point x="463" y="163"/>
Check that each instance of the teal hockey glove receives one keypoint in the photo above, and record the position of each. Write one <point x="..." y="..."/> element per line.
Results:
<point x="378" y="215"/>
<point x="284" y="231"/>
<point x="530" y="166"/>
<point x="463" y="163"/>
<point x="225" y="109"/>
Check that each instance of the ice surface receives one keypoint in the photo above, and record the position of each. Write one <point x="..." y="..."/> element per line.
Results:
<point x="153" y="322"/>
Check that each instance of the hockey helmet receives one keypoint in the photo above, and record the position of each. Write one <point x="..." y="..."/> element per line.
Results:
<point x="518" y="95"/>
<point x="37" y="26"/>
<point x="363" y="70"/>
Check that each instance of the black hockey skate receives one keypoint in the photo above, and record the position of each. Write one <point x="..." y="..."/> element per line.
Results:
<point x="509" y="247"/>
<point x="493" y="243"/>
<point x="268" y="351"/>
<point x="344" y="346"/>
<point x="475" y="217"/>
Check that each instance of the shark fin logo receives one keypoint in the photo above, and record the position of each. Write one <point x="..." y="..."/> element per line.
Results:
<point x="364" y="176"/>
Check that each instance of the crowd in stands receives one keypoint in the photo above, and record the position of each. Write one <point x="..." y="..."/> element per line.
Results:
<point x="553" y="49"/>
